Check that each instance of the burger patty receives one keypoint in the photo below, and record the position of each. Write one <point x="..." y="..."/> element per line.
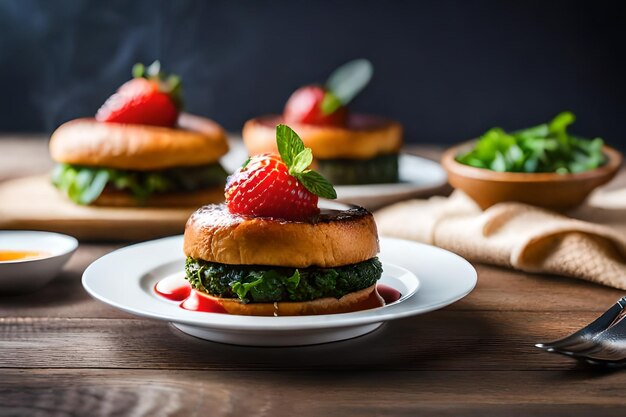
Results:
<point x="84" y="184"/>
<point x="378" y="170"/>
<point x="269" y="284"/>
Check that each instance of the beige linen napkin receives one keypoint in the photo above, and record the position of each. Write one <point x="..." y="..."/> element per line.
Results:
<point x="518" y="235"/>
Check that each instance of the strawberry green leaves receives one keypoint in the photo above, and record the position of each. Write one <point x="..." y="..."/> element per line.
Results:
<point x="345" y="83"/>
<point x="330" y="103"/>
<point x="168" y="83"/>
<point x="298" y="159"/>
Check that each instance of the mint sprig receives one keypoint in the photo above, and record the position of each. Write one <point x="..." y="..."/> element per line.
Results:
<point x="298" y="158"/>
<point x="330" y="103"/>
<point x="289" y="144"/>
<point x="345" y="83"/>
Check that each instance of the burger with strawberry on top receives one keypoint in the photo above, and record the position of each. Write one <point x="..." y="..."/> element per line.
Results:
<point x="140" y="149"/>
<point x="269" y="250"/>
<point x="349" y="148"/>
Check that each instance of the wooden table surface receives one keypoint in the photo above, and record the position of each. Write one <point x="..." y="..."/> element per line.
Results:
<point x="64" y="354"/>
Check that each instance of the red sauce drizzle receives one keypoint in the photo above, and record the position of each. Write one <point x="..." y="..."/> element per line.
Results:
<point x="389" y="294"/>
<point x="177" y="288"/>
<point x="197" y="302"/>
<point x="174" y="288"/>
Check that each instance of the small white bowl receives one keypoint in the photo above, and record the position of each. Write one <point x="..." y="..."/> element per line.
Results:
<point x="29" y="274"/>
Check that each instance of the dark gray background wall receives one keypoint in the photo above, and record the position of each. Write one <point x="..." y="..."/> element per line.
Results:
<point x="447" y="69"/>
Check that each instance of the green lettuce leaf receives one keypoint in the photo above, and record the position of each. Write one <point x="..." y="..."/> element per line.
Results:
<point x="265" y="285"/>
<point x="547" y="147"/>
<point x="84" y="185"/>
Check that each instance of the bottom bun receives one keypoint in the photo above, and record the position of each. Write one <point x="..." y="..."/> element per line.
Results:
<point x="364" y="299"/>
<point x="116" y="198"/>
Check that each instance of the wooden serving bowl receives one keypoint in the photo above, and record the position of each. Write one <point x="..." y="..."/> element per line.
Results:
<point x="560" y="192"/>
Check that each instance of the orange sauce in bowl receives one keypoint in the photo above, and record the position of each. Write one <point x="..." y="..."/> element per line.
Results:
<point x="17" y="255"/>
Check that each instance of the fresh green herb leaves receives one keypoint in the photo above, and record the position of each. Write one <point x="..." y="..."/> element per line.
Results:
<point x="301" y="162"/>
<point x="242" y="288"/>
<point x="543" y="148"/>
<point x="83" y="185"/>
<point x="318" y="185"/>
<point x="298" y="158"/>
<point x="268" y="284"/>
<point x="330" y="103"/>
<point x="289" y="144"/>
<point x="292" y="282"/>
<point x="345" y="83"/>
<point x="265" y="285"/>
<point x="93" y="188"/>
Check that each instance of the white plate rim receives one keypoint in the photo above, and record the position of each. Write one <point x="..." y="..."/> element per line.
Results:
<point x="248" y="323"/>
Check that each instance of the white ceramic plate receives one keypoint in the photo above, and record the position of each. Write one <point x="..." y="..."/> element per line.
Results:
<point x="24" y="275"/>
<point x="418" y="177"/>
<point x="125" y="279"/>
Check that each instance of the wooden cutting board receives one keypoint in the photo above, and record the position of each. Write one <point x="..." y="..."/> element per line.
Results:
<point x="32" y="203"/>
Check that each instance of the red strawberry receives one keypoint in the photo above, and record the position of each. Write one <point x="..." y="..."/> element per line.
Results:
<point x="263" y="187"/>
<point x="149" y="99"/>
<point x="282" y="186"/>
<point x="305" y="106"/>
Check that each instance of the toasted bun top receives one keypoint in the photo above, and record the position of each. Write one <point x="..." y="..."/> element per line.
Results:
<point x="196" y="141"/>
<point x="365" y="137"/>
<point x="335" y="238"/>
